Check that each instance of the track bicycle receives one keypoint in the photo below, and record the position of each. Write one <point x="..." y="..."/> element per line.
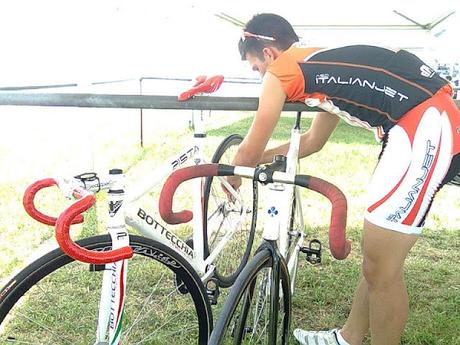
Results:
<point x="165" y="296"/>
<point x="258" y="308"/>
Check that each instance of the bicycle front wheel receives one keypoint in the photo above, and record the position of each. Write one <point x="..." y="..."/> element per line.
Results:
<point x="223" y="217"/>
<point x="246" y="317"/>
<point x="55" y="299"/>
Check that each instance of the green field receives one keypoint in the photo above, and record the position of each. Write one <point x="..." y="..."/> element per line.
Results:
<point x="323" y="293"/>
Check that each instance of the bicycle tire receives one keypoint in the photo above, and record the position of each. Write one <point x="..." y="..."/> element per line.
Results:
<point x="218" y="210"/>
<point x="456" y="180"/>
<point x="233" y="327"/>
<point x="28" y="316"/>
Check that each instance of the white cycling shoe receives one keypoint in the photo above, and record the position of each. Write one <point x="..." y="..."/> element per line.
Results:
<point x="316" y="338"/>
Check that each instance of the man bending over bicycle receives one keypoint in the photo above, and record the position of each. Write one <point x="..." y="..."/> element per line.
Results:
<point x="410" y="109"/>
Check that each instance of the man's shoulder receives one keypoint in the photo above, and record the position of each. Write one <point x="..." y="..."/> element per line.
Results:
<point x="299" y="53"/>
<point x="352" y="53"/>
<point x="288" y="61"/>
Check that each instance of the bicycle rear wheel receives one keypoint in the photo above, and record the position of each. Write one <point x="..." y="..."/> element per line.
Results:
<point x="55" y="299"/>
<point x="246" y="317"/>
<point x="222" y="216"/>
<point x="456" y="180"/>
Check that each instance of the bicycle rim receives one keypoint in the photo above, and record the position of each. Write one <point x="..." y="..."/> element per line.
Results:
<point x="245" y="318"/>
<point x="55" y="299"/>
<point x="222" y="215"/>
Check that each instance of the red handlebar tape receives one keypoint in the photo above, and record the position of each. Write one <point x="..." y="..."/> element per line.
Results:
<point x="74" y="250"/>
<point x="28" y="202"/>
<point x="170" y="186"/>
<point x="72" y="215"/>
<point x="340" y="247"/>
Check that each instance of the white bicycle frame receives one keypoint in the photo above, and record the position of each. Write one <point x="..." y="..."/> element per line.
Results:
<point x="124" y="211"/>
<point x="278" y="210"/>
<point x="146" y="223"/>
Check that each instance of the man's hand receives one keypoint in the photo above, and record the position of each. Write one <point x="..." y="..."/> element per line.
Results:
<point x="235" y="182"/>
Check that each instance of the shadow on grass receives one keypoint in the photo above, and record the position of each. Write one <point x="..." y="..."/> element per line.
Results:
<point x="344" y="133"/>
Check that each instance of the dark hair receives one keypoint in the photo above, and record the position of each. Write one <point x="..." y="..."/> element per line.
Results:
<point x="271" y="25"/>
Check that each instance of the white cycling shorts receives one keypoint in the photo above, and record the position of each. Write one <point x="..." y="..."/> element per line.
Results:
<point x="413" y="166"/>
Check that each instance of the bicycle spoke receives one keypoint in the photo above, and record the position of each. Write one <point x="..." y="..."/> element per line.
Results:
<point x="138" y="319"/>
<point x="215" y="232"/>
<point x="47" y="329"/>
<point x="160" y="328"/>
<point x="150" y="315"/>
<point x="217" y="211"/>
<point x="169" y="334"/>
<point x="166" y="305"/>
<point x="12" y="340"/>
<point x="166" y="322"/>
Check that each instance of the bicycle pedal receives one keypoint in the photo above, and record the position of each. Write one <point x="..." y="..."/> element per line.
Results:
<point x="213" y="291"/>
<point x="313" y="252"/>
<point x="96" y="268"/>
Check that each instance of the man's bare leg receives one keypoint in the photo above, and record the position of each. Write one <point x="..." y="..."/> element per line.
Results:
<point x="357" y="325"/>
<point x="380" y="301"/>
<point x="383" y="267"/>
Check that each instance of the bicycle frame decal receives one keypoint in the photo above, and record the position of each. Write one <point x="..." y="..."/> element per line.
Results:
<point x="272" y="211"/>
<point x="154" y="254"/>
<point x="164" y="170"/>
<point x="117" y="301"/>
<point x="114" y="207"/>
<point x="7" y="289"/>
<point x="185" y="157"/>
<point x="175" y="241"/>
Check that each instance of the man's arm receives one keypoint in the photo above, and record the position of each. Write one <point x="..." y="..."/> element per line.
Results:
<point x="312" y="141"/>
<point x="271" y="103"/>
<point x="252" y="147"/>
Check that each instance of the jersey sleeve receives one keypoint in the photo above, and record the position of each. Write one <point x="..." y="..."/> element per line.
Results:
<point x="290" y="75"/>
<point x="287" y="69"/>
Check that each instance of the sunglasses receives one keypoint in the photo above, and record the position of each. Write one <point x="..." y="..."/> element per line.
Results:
<point x="247" y="34"/>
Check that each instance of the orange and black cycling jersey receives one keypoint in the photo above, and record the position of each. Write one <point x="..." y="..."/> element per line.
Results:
<point x="368" y="86"/>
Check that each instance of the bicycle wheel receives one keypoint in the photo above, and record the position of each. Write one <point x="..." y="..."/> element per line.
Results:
<point x="55" y="299"/>
<point x="223" y="216"/>
<point x="456" y="180"/>
<point x="246" y="317"/>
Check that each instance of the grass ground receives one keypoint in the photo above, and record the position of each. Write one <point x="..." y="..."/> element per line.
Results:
<point x="324" y="292"/>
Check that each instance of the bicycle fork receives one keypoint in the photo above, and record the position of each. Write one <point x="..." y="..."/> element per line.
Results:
<point x="113" y="289"/>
